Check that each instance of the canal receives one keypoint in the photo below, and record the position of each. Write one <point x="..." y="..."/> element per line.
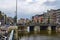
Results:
<point x="42" y="35"/>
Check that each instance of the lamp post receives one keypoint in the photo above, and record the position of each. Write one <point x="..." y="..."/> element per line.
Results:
<point x="16" y="9"/>
<point x="16" y="13"/>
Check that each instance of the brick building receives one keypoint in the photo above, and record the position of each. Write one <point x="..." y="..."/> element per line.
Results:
<point x="49" y="17"/>
<point x="38" y="18"/>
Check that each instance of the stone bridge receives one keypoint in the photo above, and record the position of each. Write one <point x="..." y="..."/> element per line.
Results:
<point x="38" y="26"/>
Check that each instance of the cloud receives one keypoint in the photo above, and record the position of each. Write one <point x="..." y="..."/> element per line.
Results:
<point x="26" y="7"/>
<point x="54" y="3"/>
<point x="29" y="0"/>
<point x="8" y="7"/>
<point x="51" y="0"/>
<point x="22" y="0"/>
<point x="7" y="3"/>
<point x="34" y="7"/>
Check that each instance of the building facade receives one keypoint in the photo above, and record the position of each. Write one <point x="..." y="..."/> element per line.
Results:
<point x="49" y="17"/>
<point x="38" y="18"/>
<point x="58" y="16"/>
<point x="35" y="18"/>
<point x="21" y="21"/>
<point x="2" y="21"/>
<point x="52" y="16"/>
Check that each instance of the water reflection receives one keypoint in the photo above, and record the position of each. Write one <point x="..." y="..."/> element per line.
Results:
<point x="42" y="35"/>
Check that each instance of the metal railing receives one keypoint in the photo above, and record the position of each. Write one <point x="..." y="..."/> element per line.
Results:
<point x="11" y="35"/>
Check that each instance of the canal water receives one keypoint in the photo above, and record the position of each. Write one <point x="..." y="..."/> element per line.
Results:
<point x="42" y="35"/>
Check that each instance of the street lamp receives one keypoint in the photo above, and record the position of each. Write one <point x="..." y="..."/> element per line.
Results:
<point x="16" y="9"/>
<point x="16" y="13"/>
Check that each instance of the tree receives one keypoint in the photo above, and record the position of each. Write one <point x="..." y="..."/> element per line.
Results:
<point x="48" y="19"/>
<point x="15" y="19"/>
<point x="5" y="18"/>
<point x="0" y="15"/>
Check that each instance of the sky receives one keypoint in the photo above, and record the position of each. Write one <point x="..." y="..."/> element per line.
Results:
<point x="27" y="8"/>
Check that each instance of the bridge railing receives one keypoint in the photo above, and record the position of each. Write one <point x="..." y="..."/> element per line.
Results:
<point x="11" y="35"/>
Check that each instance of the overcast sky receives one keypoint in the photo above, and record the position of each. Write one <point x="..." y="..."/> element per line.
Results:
<point x="28" y="8"/>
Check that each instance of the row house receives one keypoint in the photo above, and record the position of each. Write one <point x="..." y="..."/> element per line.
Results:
<point x="35" y="18"/>
<point x="52" y="16"/>
<point x="9" y="21"/>
<point x="58" y="16"/>
<point x="2" y="16"/>
<point x="4" y="19"/>
<point x="38" y="18"/>
<point x="23" y="21"/>
<point x="49" y="17"/>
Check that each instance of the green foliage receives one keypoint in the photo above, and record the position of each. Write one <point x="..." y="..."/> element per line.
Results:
<point x="15" y="19"/>
<point x="0" y="14"/>
<point x="48" y="19"/>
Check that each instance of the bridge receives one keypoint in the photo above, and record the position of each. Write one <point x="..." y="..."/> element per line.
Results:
<point x="39" y="24"/>
<point x="32" y="26"/>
